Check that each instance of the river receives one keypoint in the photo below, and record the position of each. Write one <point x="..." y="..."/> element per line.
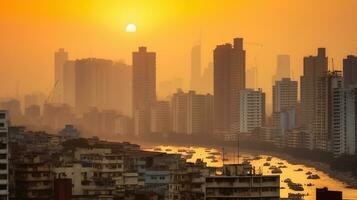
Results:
<point x="295" y="172"/>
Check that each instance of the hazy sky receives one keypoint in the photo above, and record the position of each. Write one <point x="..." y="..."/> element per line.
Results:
<point x="31" y="30"/>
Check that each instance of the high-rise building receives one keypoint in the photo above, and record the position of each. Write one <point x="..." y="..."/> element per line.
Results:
<point x="282" y="67"/>
<point x="229" y="79"/>
<point x="315" y="68"/>
<point x="4" y="152"/>
<point x="13" y="106"/>
<point x="252" y="110"/>
<point x="351" y="119"/>
<point x="336" y="113"/>
<point x="61" y="57"/>
<point x="350" y="70"/>
<point x="160" y="117"/>
<point x="144" y="88"/>
<point x="192" y="113"/>
<point x="196" y="68"/>
<point x="91" y="84"/>
<point x="284" y="103"/>
<point x="69" y="82"/>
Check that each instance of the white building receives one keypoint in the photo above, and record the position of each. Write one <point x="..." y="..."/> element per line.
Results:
<point x="337" y="114"/>
<point x="4" y="160"/>
<point x="252" y="109"/>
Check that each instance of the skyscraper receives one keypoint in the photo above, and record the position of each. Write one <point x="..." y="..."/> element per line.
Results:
<point x="4" y="151"/>
<point x="282" y="67"/>
<point x="336" y="113"/>
<point x="252" y="110"/>
<point x="315" y="68"/>
<point x="196" y="68"/>
<point x="350" y="70"/>
<point x="229" y="79"/>
<point x="61" y="57"/>
<point x="144" y="88"/>
<point x="351" y="119"/>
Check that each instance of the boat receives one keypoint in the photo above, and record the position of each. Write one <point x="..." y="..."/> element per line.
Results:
<point x="276" y="171"/>
<point x="282" y="188"/>
<point x="309" y="184"/>
<point x="269" y="158"/>
<point x="257" y="158"/>
<point x="296" y="196"/>
<point x="308" y="173"/>
<point x="182" y="150"/>
<point x="280" y="163"/>
<point x="314" y="176"/>
<point x="191" y="151"/>
<point x="287" y="180"/>
<point x="295" y="186"/>
<point x="214" y="161"/>
<point x="157" y="149"/>
<point x="272" y="167"/>
<point x="211" y="157"/>
<point x="215" y="153"/>
<point x="168" y="150"/>
<point x="283" y="166"/>
<point x="266" y="164"/>
<point x="298" y="170"/>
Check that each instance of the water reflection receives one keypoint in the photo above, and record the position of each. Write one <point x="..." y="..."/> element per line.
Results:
<point x="306" y="177"/>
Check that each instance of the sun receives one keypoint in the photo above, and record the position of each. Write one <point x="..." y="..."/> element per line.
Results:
<point x="130" y="28"/>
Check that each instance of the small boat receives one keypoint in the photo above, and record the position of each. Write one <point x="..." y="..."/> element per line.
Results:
<point x="308" y="173"/>
<point x="168" y="150"/>
<point x="214" y="161"/>
<point x="309" y="184"/>
<point x="295" y="186"/>
<point x="266" y="164"/>
<point x="287" y="180"/>
<point x="257" y="158"/>
<point x="191" y="151"/>
<point x="296" y="196"/>
<point x="283" y="166"/>
<point x="215" y="153"/>
<point x="298" y="170"/>
<point x="157" y="149"/>
<point x="276" y="171"/>
<point x="314" y="176"/>
<point x="182" y="150"/>
<point x="280" y="163"/>
<point x="269" y="158"/>
<point x="211" y="157"/>
<point x="282" y="188"/>
<point x="272" y="167"/>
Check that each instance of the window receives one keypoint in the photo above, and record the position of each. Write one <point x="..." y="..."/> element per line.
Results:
<point x="3" y="166"/>
<point x="2" y="115"/>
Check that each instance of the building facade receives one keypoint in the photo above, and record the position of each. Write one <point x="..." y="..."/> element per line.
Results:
<point x="252" y="110"/>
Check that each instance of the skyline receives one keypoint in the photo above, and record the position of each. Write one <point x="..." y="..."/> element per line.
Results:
<point x="281" y="33"/>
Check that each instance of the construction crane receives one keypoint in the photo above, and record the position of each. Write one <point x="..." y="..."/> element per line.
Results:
<point x="51" y="93"/>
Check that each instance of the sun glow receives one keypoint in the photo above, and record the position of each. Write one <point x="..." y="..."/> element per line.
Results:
<point x="130" y="28"/>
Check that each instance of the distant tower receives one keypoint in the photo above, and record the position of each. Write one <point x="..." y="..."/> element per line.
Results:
<point x="196" y="68"/>
<point x="61" y="57"/>
<point x="144" y="88"/>
<point x="282" y="68"/>
<point x="229" y="79"/>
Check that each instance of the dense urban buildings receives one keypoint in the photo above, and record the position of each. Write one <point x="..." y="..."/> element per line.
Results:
<point x="229" y="79"/>
<point x="350" y="70"/>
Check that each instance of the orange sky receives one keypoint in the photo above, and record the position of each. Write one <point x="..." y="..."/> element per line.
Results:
<point x="31" y="30"/>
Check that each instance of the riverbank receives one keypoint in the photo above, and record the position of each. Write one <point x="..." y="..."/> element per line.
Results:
<point x="345" y="177"/>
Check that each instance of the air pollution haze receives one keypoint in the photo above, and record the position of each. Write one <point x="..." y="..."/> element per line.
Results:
<point x="33" y="30"/>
